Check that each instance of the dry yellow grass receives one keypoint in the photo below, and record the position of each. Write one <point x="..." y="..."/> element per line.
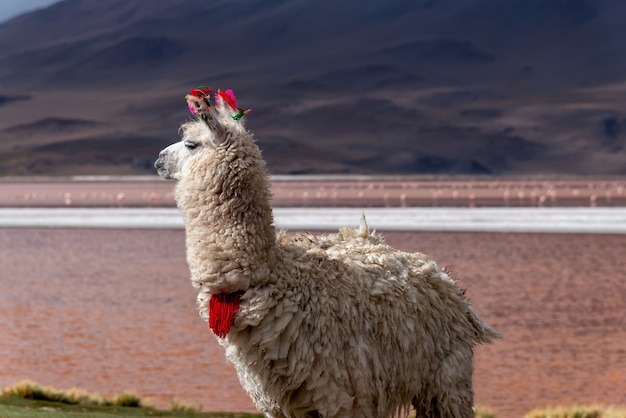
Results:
<point x="594" y="411"/>
<point x="479" y="412"/>
<point x="31" y="390"/>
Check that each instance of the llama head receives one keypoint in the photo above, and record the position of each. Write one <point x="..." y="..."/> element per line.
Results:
<point x="223" y="195"/>
<point x="215" y="126"/>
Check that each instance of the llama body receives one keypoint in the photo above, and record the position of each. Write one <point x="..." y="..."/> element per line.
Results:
<point x="337" y="326"/>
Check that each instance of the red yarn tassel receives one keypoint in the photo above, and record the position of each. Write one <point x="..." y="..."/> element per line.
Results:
<point x="222" y="310"/>
<point x="229" y="97"/>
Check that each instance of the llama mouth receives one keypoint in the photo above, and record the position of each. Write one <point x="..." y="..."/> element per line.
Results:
<point x="163" y="173"/>
<point x="161" y="170"/>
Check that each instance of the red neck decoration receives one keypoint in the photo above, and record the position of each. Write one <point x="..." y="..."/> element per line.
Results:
<point x="222" y="310"/>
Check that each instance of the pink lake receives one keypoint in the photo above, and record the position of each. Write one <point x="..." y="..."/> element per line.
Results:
<point x="113" y="310"/>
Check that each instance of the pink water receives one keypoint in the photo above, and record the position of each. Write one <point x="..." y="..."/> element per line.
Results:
<point x="113" y="310"/>
<point x="107" y="311"/>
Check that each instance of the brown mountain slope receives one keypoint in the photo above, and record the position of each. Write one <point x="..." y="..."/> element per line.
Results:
<point x="408" y="86"/>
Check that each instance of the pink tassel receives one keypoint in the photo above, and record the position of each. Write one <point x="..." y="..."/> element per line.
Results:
<point x="229" y="97"/>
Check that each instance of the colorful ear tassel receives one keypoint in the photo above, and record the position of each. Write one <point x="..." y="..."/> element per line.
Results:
<point x="229" y="97"/>
<point x="204" y="93"/>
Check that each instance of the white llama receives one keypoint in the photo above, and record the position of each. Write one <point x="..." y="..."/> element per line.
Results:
<point x="330" y="326"/>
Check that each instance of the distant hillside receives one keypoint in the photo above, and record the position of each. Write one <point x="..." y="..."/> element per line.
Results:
<point x="370" y="86"/>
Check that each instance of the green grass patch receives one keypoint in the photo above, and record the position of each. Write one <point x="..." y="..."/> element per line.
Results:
<point x="28" y="399"/>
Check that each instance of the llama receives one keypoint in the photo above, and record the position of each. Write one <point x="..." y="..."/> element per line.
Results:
<point x="332" y="326"/>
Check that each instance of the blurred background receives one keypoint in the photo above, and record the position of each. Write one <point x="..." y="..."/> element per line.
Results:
<point x="368" y="86"/>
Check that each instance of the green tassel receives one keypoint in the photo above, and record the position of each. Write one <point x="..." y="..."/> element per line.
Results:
<point x="239" y="115"/>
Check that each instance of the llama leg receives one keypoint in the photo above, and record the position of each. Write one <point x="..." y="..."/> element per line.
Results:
<point x="275" y="415"/>
<point x="458" y="404"/>
<point x="355" y="412"/>
<point x="449" y="394"/>
<point x="443" y="407"/>
<point x="426" y="408"/>
<point x="456" y="396"/>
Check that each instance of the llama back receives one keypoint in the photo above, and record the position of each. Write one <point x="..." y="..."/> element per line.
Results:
<point x="369" y="249"/>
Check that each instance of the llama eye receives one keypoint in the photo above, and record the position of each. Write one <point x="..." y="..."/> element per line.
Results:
<point x="190" y="145"/>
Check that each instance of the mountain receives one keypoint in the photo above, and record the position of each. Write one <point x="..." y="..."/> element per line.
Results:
<point x="370" y="86"/>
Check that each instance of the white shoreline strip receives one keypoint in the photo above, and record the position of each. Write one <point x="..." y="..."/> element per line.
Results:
<point x="552" y="220"/>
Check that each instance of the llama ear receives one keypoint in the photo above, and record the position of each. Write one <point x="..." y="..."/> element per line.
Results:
<point x="199" y="106"/>
<point x="226" y="103"/>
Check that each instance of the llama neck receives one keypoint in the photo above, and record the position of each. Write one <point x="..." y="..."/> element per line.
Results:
<point x="228" y="220"/>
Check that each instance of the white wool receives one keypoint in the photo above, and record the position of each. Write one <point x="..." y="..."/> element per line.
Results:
<point x="340" y="325"/>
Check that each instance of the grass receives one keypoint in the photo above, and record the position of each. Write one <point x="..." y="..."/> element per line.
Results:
<point x="478" y="411"/>
<point x="482" y="412"/>
<point x="31" y="390"/>
<point x="28" y="399"/>
<point x="594" y="411"/>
